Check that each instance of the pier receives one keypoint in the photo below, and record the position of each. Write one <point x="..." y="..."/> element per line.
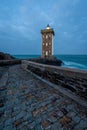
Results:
<point x="29" y="103"/>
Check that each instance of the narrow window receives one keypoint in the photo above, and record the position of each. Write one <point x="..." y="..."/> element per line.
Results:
<point x="46" y="44"/>
<point x="46" y="36"/>
<point x="46" y="53"/>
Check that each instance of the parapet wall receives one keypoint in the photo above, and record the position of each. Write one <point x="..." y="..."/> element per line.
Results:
<point x="72" y="79"/>
<point x="75" y="73"/>
<point x="9" y="62"/>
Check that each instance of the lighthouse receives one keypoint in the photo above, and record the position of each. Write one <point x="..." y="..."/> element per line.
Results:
<point x="47" y="42"/>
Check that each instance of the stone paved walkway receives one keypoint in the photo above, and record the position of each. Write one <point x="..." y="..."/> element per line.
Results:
<point x="26" y="103"/>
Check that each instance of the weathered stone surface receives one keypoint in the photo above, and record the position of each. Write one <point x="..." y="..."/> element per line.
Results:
<point x="36" y="112"/>
<point x="81" y="125"/>
<point x="18" y="122"/>
<point x="75" y="85"/>
<point x="38" y="127"/>
<point x="64" y="111"/>
<point x="76" y="119"/>
<point x="56" y="126"/>
<point x="29" y="104"/>
<point x="46" y="124"/>
<point x="65" y="120"/>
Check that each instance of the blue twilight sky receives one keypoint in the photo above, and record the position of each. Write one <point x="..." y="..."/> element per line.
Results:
<point x="22" y="20"/>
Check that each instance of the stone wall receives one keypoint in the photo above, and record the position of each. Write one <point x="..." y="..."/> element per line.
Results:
<point x="71" y="79"/>
<point x="9" y="62"/>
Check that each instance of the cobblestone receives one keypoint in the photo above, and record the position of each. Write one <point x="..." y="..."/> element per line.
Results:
<point x="27" y="103"/>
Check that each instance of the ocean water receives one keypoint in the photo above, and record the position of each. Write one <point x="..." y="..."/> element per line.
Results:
<point x="74" y="61"/>
<point x="70" y="61"/>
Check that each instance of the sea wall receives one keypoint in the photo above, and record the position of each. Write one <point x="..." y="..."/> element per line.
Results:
<point x="72" y="79"/>
<point x="9" y="62"/>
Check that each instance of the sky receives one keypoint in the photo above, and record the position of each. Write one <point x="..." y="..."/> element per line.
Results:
<point x="22" y="20"/>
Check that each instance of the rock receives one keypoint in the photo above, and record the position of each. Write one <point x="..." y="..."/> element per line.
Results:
<point x="5" y="56"/>
<point x="54" y="61"/>
<point x="7" y="59"/>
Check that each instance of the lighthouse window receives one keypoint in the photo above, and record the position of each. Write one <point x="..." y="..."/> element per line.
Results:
<point x="46" y="44"/>
<point x="46" y="36"/>
<point x="43" y="44"/>
<point x="46" y="53"/>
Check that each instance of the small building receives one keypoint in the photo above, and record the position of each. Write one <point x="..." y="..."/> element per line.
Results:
<point x="47" y="42"/>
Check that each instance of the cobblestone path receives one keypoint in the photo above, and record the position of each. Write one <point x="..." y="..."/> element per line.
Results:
<point x="26" y="103"/>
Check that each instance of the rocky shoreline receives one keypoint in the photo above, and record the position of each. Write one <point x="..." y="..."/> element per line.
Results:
<point x="48" y="61"/>
<point x="6" y="56"/>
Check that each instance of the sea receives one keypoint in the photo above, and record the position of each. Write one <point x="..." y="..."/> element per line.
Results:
<point x="69" y="61"/>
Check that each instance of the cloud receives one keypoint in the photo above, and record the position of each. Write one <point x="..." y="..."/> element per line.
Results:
<point x="23" y="9"/>
<point x="47" y="17"/>
<point x="25" y="31"/>
<point x="22" y="20"/>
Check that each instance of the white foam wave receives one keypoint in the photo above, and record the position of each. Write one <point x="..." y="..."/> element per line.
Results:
<point x="71" y="64"/>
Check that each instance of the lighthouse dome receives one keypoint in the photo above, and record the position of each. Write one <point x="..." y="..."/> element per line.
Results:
<point x="48" y="27"/>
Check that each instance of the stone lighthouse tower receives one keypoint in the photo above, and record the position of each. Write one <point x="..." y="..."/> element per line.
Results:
<point x="47" y="42"/>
